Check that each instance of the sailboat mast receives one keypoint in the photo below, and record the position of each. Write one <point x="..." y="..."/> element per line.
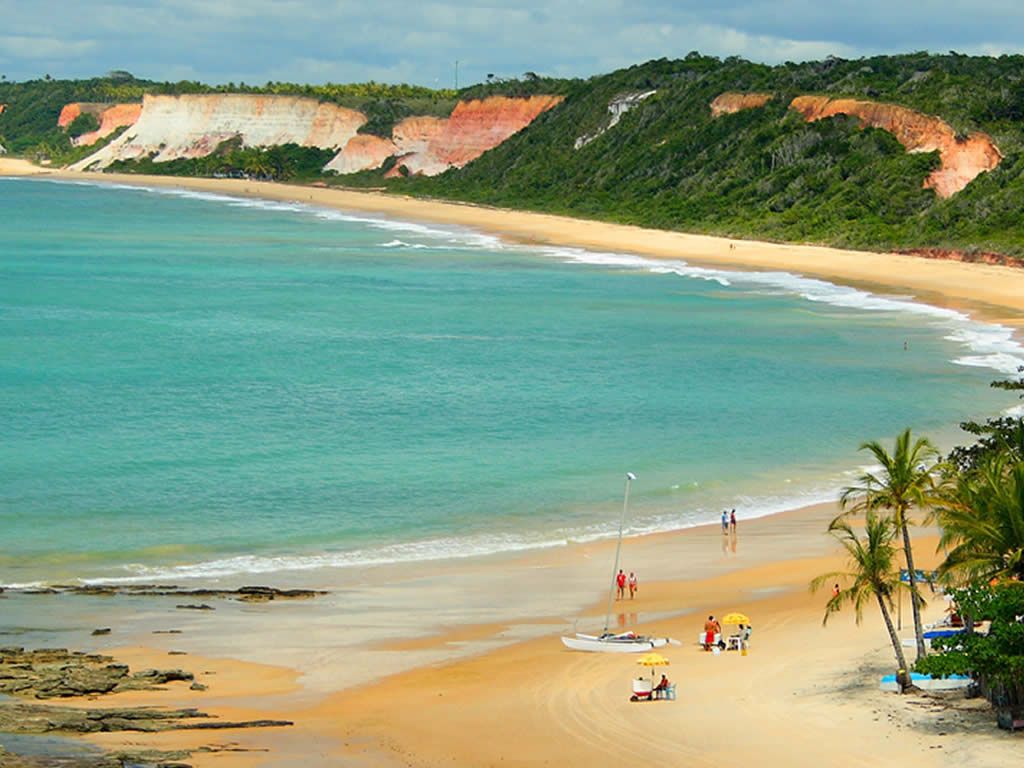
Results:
<point x="630" y="477"/>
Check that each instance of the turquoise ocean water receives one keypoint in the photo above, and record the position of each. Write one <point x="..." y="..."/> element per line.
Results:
<point x="199" y="386"/>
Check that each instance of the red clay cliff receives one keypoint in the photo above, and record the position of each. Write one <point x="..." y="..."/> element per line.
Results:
<point x="962" y="158"/>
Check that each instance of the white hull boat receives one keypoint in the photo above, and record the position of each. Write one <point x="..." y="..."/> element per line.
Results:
<point x="625" y="643"/>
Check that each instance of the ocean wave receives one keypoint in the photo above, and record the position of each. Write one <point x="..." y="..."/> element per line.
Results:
<point x="990" y="345"/>
<point x="458" y="548"/>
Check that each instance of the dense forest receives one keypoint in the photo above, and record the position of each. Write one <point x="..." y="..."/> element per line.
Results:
<point x="762" y="173"/>
<point x="669" y="164"/>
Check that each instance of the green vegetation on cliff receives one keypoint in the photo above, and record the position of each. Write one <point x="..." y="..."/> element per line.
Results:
<point x="765" y="172"/>
<point x="761" y="173"/>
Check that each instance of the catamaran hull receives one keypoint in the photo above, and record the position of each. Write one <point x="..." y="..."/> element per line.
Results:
<point x="614" y="644"/>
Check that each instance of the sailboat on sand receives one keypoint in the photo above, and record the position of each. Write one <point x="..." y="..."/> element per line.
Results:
<point x="624" y="642"/>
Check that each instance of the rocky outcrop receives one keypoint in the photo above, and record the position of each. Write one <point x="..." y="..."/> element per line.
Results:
<point x="244" y="594"/>
<point x="617" y="107"/>
<point x="962" y="158"/>
<point x="731" y="102"/>
<point x="429" y="146"/>
<point x="362" y="153"/>
<point x="51" y="673"/>
<point x="36" y="718"/>
<point x="172" y="127"/>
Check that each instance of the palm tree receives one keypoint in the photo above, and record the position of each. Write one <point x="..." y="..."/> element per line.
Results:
<point x="983" y="522"/>
<point x="872" y="575"/>
<point x="906" y="482"/>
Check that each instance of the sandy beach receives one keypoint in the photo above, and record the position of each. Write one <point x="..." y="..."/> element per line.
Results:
<point x="487" y="681"/>
<point x="995" y="291"/>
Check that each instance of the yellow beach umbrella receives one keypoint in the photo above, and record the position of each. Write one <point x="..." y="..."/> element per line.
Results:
<point x="735" y="618"/>
<point x="653" y="660"/>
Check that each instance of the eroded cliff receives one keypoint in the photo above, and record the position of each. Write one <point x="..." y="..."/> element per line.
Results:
<point x="430" y="146"/>
<point x="171" y="127"/>
<point x="617" y="107"/>
<point x="962" y="158"/>
<point x="361" y="153"/>
<point x="731" y="101"/>
<point x="110" y="117"/>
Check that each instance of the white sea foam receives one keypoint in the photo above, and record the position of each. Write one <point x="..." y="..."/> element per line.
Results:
<point x="989" y="345"/>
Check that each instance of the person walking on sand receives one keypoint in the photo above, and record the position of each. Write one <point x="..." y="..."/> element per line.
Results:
<point x="632" y="585"/>
<point x="725" y="521"/>
<point x="835" y="590"/>
<point x="732" y="521"/>
<point x="620" y="582"/>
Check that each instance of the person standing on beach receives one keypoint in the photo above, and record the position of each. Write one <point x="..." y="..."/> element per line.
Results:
<point x="725" y="521"/>
<point x="732" y="521"/>
<point x="620" y="581"/>
<point x="711" y="628"/>
<point x="632" y="585"/>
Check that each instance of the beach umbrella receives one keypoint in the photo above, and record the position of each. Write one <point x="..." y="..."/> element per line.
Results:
<point x="735" y="618"/>
<point x="653" y="660"/>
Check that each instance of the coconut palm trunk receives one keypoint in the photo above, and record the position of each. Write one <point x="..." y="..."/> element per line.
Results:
<point x="902" y="678"/>
<point x="873" y="573"/>
<point x="905" y="483"/>
<point x="915" y="601"/>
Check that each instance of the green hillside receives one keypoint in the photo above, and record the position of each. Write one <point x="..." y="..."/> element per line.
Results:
<point x="765" y="173"/>
<point x="762" y="173"/>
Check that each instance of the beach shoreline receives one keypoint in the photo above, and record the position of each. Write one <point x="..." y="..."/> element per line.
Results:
<point x="504" y="672"/>
<point x="992" y="292"/>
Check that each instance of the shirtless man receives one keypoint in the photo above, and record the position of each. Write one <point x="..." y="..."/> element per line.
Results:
<point x="711" y="628"/>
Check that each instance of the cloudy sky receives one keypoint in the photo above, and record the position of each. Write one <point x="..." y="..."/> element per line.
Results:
<point x="316" y="41"/>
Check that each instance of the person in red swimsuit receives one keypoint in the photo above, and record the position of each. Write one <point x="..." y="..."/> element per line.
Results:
<point x="620" y="580"/>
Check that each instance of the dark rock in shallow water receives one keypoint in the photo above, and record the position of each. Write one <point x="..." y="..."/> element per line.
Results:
<point x="103" y="631"/>
<point x="246" y="594"/>
<point x="193" y="607"/>
<point x="37" y="718"/>
<point x="161" y="676"/>
<point x="56" y="672"/>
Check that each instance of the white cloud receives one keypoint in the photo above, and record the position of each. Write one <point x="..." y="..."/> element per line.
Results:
<point x="49" y="48"/>
<point x="395" y="40"/>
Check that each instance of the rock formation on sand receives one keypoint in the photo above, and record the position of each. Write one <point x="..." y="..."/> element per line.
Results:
<point x="617" y="107"/>
<point x="962" y="158"/>
<point x="172" y="127"/>
<point x="731" y="101"/>
<point x="430" y="146"/>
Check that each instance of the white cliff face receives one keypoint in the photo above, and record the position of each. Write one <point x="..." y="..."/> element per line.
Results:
<point x="617" y="107"/>
<point x="172" y="127"/>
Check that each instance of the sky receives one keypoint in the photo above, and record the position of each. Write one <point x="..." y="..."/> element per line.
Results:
<point x="318" y="41"/>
